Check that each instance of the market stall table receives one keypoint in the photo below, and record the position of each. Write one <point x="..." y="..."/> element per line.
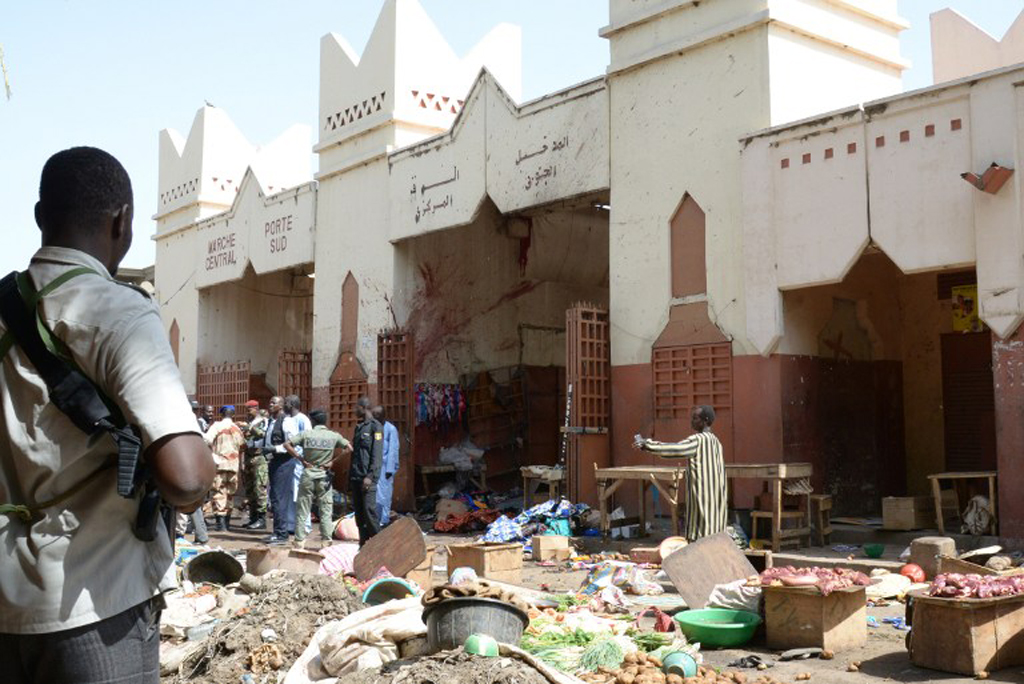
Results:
<point x="534" y="479"/>
<point x="426" y="470"/>
<point x="937" y="478"/>
<point x="669" y="479"/>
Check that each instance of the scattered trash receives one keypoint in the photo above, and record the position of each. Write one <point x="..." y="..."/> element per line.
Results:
<point x="268" y="635"/>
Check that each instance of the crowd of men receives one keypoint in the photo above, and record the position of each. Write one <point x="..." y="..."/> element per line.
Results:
<point x="286" y="460"/>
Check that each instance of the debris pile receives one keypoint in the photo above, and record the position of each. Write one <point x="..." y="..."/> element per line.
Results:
<point x="457" y="667"/>
<point x="285" y="608"/>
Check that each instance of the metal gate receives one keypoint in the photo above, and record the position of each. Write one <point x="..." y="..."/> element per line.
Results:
<point x="588" y="372"/>
<point x="295" y="375"/>
<point x="223" y="384"/>
<point x="395" y="368"/>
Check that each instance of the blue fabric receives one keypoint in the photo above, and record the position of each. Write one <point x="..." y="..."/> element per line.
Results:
<point x="282" y="493"/>
<point x="391" y="448"/>
<point x="389" y="466"/>
<point x="554" y="513"/>
<point x="503" y="529"/>
<point x="385" y="489"/>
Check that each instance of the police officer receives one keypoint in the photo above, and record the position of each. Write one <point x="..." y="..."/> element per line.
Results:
<point x="320" y="449"/>
<point x="256" y="474"/>
<point x="367" y="458"/>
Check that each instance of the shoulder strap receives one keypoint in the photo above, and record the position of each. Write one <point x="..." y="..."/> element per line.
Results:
<point x="70" y="391"/>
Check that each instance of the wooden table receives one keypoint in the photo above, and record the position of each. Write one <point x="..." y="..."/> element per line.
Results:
<point x="937" y="478"/>
<point x="532" y="482"/>
<point x="669" y="479"/>
<point x="427" y="470"/>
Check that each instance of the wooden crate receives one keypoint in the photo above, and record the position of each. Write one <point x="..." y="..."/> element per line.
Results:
<point x="798" y="617"/>
<point x="908" y="512"/>
<point x="503" y="562"/>
<point x="423" y="574"/>
<point x="549" y="546"/>
<point x="947" y="564"/>
<point x="967" y="636"/>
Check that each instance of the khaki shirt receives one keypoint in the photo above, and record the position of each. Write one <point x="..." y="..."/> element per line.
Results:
<point x="318" y="447"/>
<point x="80" y="563"/>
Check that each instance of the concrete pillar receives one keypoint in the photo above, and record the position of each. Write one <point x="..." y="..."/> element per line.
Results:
<point x="1008" y="381"/>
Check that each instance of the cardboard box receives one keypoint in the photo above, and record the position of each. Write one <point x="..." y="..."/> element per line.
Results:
<point x="645" y="554"/>
<point x="908" y="512"/>
<point x="502" y="562"/>
<point x="967" y="636"/>
<point x="799" y="617"/>
<point x="546" y="546"/>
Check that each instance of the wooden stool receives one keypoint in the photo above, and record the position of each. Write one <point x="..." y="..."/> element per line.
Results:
<point x="823" y="504"/>
<point x="790" y="537"/>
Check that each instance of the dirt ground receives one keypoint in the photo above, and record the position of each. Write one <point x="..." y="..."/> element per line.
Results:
<point x="883" y="658"/>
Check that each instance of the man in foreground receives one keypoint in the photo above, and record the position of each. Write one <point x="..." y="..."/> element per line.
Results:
<point x="80" y="592"/>
<point x="321" y="447"/>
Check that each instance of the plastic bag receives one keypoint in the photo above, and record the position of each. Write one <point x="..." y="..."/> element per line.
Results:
<point x="977" y="516"/>
<point x="736" y="596"/>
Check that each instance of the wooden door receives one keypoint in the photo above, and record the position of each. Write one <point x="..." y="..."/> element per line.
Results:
<point x="395" y="364"/>
<point x="968" y="401"/>
<point x="588" y="372"/>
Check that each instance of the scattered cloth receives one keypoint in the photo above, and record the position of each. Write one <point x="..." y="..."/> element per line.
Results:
<point x="363" y="640"/>
<point x="627" y="576"/>
<point x="479" y="589"/>
<point x="800" y="653"/>
<point x="752" y="661"/>
<point x="468" y="522"/>
<point x="737" y="595"/>
<point x="517" y="529"/>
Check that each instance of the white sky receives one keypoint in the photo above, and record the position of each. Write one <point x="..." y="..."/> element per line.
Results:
<point x="113" y="73"/>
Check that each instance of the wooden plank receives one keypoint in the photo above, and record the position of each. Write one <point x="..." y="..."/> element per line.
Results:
<point x="399" y="547"/>
<point x="697" y="568"/>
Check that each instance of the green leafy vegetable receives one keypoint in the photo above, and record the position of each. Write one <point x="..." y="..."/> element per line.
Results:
<point x="604" y="652"/>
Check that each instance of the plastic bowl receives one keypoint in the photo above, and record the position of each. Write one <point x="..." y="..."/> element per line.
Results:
<point x="718" y="627"/>
<point x="874" y="550"/>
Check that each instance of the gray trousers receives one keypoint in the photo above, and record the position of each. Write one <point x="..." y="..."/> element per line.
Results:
<point x="123" y="649"/>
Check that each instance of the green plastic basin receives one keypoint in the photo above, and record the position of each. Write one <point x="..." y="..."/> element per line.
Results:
<point x="718" y="627"/>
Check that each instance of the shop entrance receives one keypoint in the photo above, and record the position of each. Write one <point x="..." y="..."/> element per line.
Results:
<point x="968" y="402"/>
<point x="486" y="305"/>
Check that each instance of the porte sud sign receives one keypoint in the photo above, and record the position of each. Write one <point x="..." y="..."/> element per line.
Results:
<point x="220" y="251"/>
<point x="275" y="230"/>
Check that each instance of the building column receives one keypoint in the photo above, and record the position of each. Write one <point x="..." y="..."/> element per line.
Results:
<point x="1008" y="381"/>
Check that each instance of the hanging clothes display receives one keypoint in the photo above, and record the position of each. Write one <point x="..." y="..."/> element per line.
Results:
<point x="439" y="406"/>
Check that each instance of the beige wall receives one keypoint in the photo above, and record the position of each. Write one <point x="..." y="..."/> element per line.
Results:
<point x="474" y="306"/>
<point x="254" y="318"/>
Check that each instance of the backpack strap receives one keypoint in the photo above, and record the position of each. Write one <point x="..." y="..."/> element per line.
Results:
<point x="70" y="390"/>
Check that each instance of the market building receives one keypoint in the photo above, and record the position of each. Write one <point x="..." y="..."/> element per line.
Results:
<point x="743" y="211"/>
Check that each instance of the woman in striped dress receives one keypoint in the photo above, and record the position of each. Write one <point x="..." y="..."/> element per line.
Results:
<point x="705" y="473"/>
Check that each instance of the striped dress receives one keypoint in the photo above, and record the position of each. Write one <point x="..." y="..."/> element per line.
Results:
<point x="705" y="481"/>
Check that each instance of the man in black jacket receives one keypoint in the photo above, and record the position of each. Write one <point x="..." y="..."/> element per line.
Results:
<point x="367" y="457"/>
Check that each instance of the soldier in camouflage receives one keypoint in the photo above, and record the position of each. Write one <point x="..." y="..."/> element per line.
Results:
<point x="256" y="473"/>
<point x="321" y="447"/>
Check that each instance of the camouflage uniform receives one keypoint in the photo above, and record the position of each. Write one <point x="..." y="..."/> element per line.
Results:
<point x="256" y="474"/>
<point x="318" y="447"/>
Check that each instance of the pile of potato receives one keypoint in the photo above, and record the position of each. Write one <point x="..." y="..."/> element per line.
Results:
<point x="636" y="668"/>
<point x="639" y="668"/>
